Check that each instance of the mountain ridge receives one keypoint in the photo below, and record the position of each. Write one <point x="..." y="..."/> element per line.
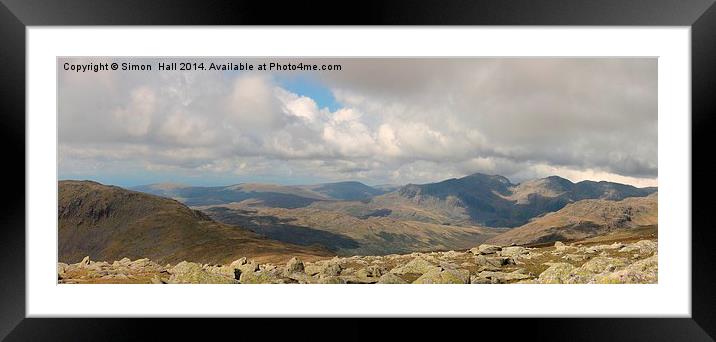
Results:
<point x="108" y="222"/>
<point x="494" y="201"/>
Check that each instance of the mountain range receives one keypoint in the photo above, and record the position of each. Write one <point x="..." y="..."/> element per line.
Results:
<point x="270" y="195"/>
<point x="172" y="222"/>
<point x="477" y="199"/>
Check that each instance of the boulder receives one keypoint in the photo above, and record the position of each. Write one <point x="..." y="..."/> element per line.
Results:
<point x="312" y="269"/>
<point x="300" y="277"/>
<point x="156" y="280"/>
<point x="140" y="263"/>
<point x="248" y="267"/>
<point x="601" y="264"/>
<point x="226" y="271"/>
<point x="330" y="268"/>
<point x="513" y="252"/>
<point x="557" y="273"/>
<point x="643" y="247"/>
<point x="193" y="273"/>
<point x="238" y="262"/>
<point x="502" y="277"/>
<point x="330" y="280"/>
<point x="261" y="278"/>
<point x="122" y="262"/>
<point x="418" y="265"/>
<point x="485" y="249"/>
<point x="641" y="272"/>
<point x="294" y="265"/>
<point x="373" y="271"/>
<point x="390" y="278"/>
<point x="559" y="248"/>
<point x="351" y="279"/>
<point x="84" y="263"/>
<point x="493" y="261"/>
<point x="61" y="269"/>
<point x="439" y="276"/>
<point x="478" y="280"/>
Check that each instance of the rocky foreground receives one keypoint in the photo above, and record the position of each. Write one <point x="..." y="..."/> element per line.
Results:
<point x="576" y="263"/>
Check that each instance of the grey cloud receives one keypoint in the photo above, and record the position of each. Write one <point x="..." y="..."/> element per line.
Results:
<point x="402" y="120"/>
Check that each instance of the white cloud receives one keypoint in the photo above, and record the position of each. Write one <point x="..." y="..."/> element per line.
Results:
<point x="399" y="120"/>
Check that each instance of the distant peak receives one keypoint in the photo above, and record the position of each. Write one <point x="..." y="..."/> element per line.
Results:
<point x="501" y="179"/>
<point x="556" y="178"/>
<point x="344" y="182"/>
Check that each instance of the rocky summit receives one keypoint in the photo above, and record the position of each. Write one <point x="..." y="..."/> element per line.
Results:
<point x="582" y="262"/>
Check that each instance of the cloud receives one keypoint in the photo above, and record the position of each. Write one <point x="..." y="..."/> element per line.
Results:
<point x="397" y="121"/>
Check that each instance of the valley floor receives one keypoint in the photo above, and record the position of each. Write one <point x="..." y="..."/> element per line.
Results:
<point x="615" y="258"/>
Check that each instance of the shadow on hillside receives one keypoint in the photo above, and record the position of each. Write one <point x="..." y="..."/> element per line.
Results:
<point x="281" y="229"/>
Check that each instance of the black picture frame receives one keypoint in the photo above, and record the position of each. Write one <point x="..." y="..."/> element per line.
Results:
<point x="15" y="15"/>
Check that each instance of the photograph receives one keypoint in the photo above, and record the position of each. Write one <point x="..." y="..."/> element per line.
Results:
<point x="357" y="170"/>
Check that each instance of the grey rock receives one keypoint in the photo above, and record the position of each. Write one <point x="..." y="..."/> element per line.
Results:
<point x="439" y="276"/>
<point x="419" y="265"/>
<point x="390" y="278"/>
<point x="193" y="273"/>
<point x="294" y="265"/>
<point x="485" y="249"/>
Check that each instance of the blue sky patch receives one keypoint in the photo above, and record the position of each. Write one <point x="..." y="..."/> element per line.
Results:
<point x="309" y="87"/>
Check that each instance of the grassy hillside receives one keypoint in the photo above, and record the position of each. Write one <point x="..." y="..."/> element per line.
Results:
<point x="350" y="235"/>
<point x="109" y="223"/>
<point x="584" y="219"/>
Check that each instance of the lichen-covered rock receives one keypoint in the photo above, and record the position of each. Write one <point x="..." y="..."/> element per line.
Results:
<point x="61" y="269"/>
<point x="156" y="279"/>
<point x="557" y="273"/>
<point x="390" y="278"/>
<point x="294" y="265"/>
<point x="439" y="276"/>
<point x="238" y="262"/>
<point x="193" y="273"/>
<point x="330" y="280"/>
<point x="323" y="269"/>
<point x="501" y="277"/>
<point x="373" y="271"/>
<point x="122" y="262"/>
<point x="418" y="265"/>
<point x="489" y="264"/>
<point x="514" y="251"/>
<point x="313" y="269"/>
<point x="226" y="271"/>
<point x="261" y="278"/>
<point x="485" y="249"/>
<point x="560" y="248"/>
<point x="300" y="277"/>
<point x="479" y="280"/>
<point x="602" y="264"/>
<point x="643" y="247"/>
<point x="248" y="267"/>
<point x="493" y="262"/>
<point x="641" y="272"/>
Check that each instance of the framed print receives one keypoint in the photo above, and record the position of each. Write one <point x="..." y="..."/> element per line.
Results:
<point x="533" y="162"/>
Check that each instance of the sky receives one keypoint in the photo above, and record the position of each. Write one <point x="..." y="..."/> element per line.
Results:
<point x="377" y="120"/>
